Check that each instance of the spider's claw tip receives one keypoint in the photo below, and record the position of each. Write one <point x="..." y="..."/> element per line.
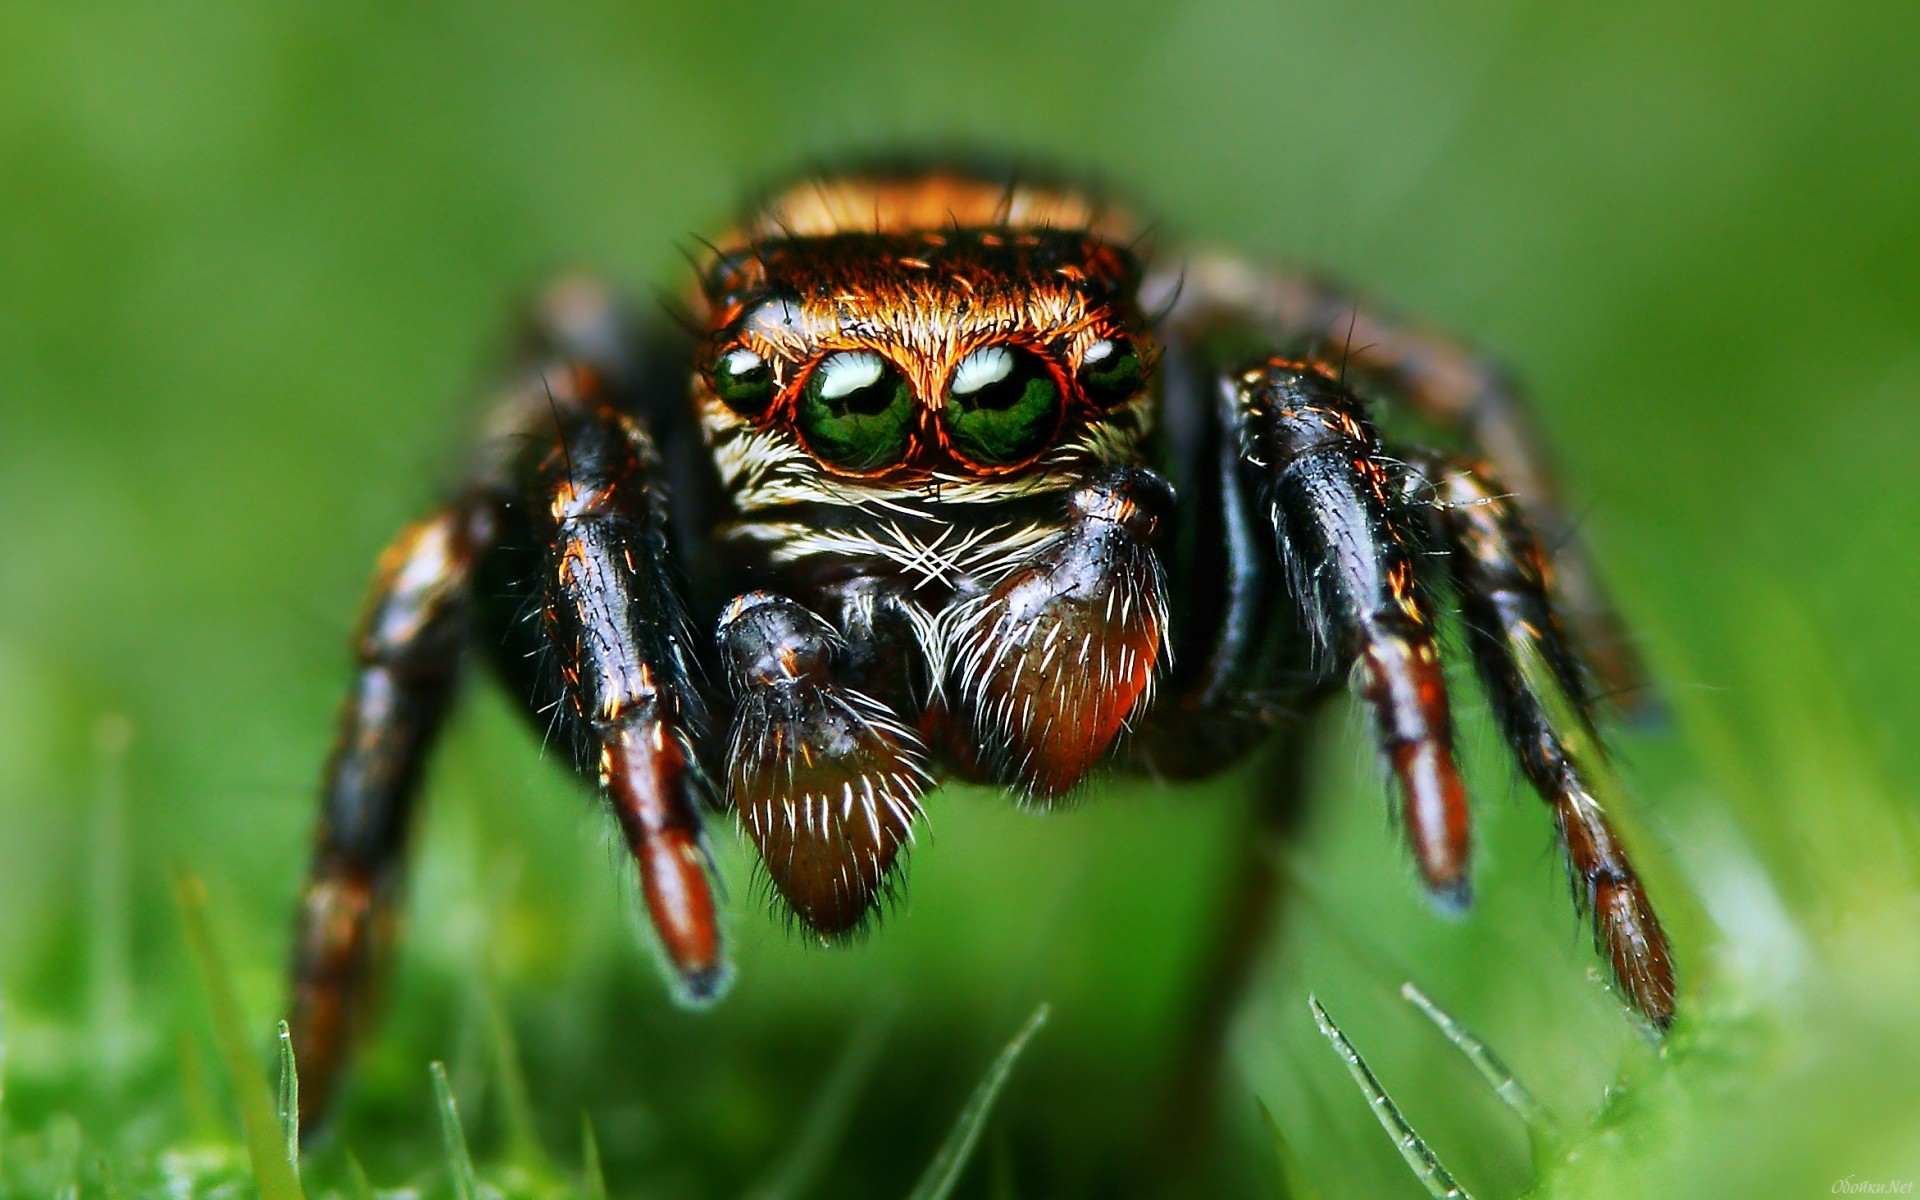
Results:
<point x="1453" y="898"/>
<point x="705" y="987"/>
<point x="1643" y="710"/>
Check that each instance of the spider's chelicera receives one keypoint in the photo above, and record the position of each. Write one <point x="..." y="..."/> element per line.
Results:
<point x="942" y="479"/>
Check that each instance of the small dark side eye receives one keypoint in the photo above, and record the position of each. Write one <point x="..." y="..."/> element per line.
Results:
<point x="744" y="380"/>
<point x="1111" y="371"/>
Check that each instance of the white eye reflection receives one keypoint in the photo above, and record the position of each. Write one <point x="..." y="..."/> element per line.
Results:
<point x="983" y="368"/>
<point x="849" y="371"/>
<point x="741" y="361"/>
<point x="1097" y="351"/>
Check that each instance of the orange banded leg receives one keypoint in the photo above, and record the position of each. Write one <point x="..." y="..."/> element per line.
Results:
<point x="1052" y="663"/>
<point x="1350" y="540"/>
<point x="621" y="664"/>
<point x="407" y="654"/>
<point x="1449" y="385"/>
<point x="1528" y="669"/>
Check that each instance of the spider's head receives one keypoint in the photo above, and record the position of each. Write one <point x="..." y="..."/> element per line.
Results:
<point x="881" y="336"/>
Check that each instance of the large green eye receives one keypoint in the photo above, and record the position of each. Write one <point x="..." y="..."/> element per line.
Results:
<point x="744" y="380"/>
<point x="1111" y="370"/>
<point x="1002" y="406"/>
<point x="856" y="411"/>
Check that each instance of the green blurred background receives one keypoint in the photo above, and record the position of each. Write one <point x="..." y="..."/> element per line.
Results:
<point x="255" y="261"/>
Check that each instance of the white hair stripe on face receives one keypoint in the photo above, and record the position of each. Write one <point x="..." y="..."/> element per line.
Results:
<point x="847" y="372"/>
<point x="984" y="367"/>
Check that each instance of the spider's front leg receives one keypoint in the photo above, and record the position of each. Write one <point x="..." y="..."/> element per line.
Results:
<point x="1350" y="541"/>
<point x="1445" y="383"/>
<point x="584" y="612"/>
<point x="1350" y="522"/>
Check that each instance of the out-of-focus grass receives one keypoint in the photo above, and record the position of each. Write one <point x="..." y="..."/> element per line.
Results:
<point x="1792" y="1068"/>
<point x="251" y="264"/>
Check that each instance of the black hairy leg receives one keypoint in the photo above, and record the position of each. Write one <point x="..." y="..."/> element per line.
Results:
<point x="1242" y="665"/>
<point x="1351" y="541"/>
<point x="1051" y="663"/>
<point x="826" y="779"/>
<point x="1532" y="679"/>
<point x="1449" y="385"/>
<point x="407" y="657"/>
<point x="584" y="612"/>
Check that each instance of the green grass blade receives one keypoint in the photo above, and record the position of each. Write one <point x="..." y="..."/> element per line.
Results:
<point x="3" y="1088"/>
<point x="289" y="1099"/>
<point x="64" y="1143"/>
<point x="944" y="1171"/>
<point x="1541" y="1124"/>
<point x="1293" y="1176"/>
<point x="362" y="1187"/>
<point x="110" y="950"/>
<point x="1426" y="1166"/>
<point x="271" y="1173"/>
<point x="827" y="1118"/>
<point x="516" y="1102"/>
<point x="459" y="1161"/>
<point x="196" y="1091"/>
<point x="109" y="1184"/>
<point x="595" y="1175"/>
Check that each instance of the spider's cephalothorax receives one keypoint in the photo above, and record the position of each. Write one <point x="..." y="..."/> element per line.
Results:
<point x="933" y="414"/>
<point x="953" y="472"/>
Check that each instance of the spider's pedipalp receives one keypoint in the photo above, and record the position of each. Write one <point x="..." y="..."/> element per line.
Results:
<point x="1052" y="662"/>
<point x="1350" y="543"/>
<point x="826" y="781"/>
<point x="1531" y="679"/>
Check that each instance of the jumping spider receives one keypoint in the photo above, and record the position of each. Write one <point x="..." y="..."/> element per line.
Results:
<point x="948" y="471"/>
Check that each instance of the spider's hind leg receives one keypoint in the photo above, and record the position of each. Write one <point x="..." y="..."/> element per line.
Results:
<point x="1532" y="678"/>
<point x="408" y="653"/>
